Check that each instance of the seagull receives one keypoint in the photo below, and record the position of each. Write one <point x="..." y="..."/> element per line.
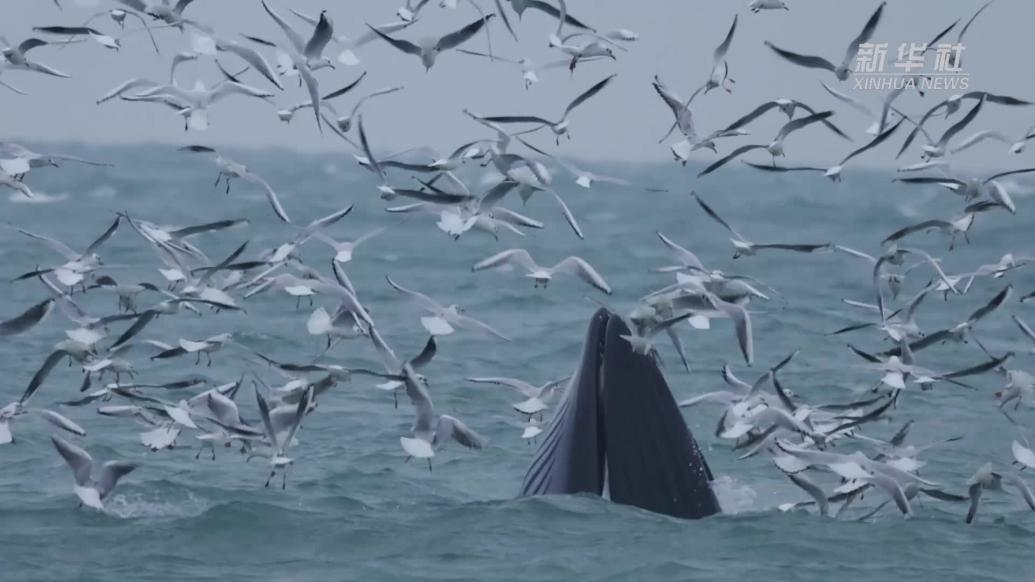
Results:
<point x="171" y="14"/>
<point x="842" y="70"/>
<point x="1016" y="145"/>
<point x="344" y="123"/>
<point x="988" y="479"/>
<point x="688" y="261"/>
<point x="249" y="55"/>
<point x="720" y="73"/>
<point x="775" y="147"/>
<point x="78" y="264"/>
<point x="530" y="176"/>
<point x="18" y="408"/>
<point x="953" y="228"/>
<point x="97" y="36"/>
<point x="199" y="347"/>
<point x="536" y="397"/>
<point x="834" y="172"/>
<point x="443" y="319"/>
<point x="341" y="325"/>
<point x="788" y="107"/>
<point x="953" y="104"/>
<point x="598" y="48"/>
<point x="348" y="56"/>
<point x="17" y="160"/>
<point x="395" y="368"/>
<point x="520" y="6"/>
<point x="529" y="70"/>
<point x="16" y="57"/>
<point x="585" y="178"/>
<point x="745" y="248"/>
<point x="971" y="188"/>
<point x="938" y="149"/>
<point x="858" y="467"/>
<point x="229" y="170"/>
<point x="430" y="429"/>
<point x="344" y="250"/>
<point x="530" y="429"/>
<point x="193" y="103"/>
<point x="542" y="275"/>
<point x="307" y="56"/>
<point x="718" y="77"/>
<point x="281" y="424"/>
<point x="91" y="489"/>
<point x="758" y="5"/>
<point x="429" y="48"/>
<point x="559" y="127"/>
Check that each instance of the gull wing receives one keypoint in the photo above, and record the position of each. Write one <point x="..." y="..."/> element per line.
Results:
<point x="580" y="268"/>
<point x="291" y="34"/>
<point x="715" y="216"/>
<point x="53" y="243"/>
<point x="455" y="39"/>
<point x="521" y="386"/>
<point x="426" y="354"/>
<point x="403" y="45"/>
<point x="460" y="432"/>
<point x="253" y="58"/>
<point x="587" y="94"/>
<point x="79" y="460"/>
<point x="796" y="124"/>
<point x="876" y="141"/>
<point x="421" y="299"/>
<point x="961" y="124"/>
<point x="519" y="257"/>
<point x="321" y="36"/>
<point x="864" y="35"/>
<point x="724" y="160"/>
<point x="808" y="61"/>
<point x="110" y="473"/>
<point x="28" y="319"/>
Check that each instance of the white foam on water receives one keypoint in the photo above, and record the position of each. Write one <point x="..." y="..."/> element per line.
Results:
<point x="37" y="198"/>
<point x="104" y="192"/>
<point x="138" y="506"/>
<point x="734" y="496"/>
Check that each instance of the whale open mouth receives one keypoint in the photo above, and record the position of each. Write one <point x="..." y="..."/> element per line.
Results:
<point x="618" y="433"/>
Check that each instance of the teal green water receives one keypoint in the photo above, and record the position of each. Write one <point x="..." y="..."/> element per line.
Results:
<point x="353" y="510"/>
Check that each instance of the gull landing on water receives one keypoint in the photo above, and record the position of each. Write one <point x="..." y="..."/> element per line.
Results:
<point x="281" y="424"/>
<point x="91" y="489"/>
<point x="430" y="429"/>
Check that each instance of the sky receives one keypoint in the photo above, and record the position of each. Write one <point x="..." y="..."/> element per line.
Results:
<point x="622" y="123"/>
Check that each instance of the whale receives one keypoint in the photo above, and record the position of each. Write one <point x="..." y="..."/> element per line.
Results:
<point x="618" y="433"/>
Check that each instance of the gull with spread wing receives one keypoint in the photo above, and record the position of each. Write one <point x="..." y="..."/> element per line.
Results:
<point x="542" y="275"/>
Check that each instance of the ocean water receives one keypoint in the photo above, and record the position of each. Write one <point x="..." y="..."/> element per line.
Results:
<point x="354" y="510"/>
